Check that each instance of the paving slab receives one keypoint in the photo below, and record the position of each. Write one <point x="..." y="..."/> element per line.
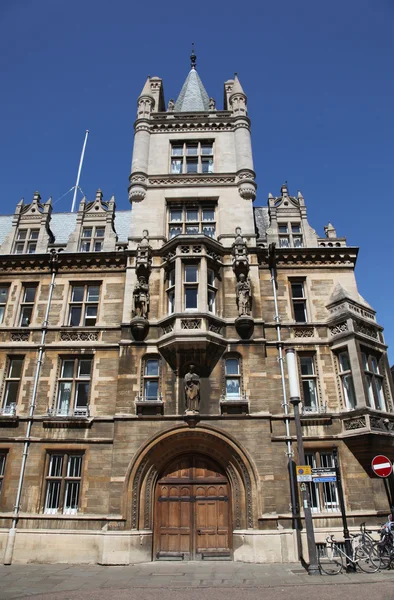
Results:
<point x="198" y="580"/>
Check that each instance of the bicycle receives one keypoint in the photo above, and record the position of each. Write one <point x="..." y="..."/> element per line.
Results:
<point x="332" y="562"/>
<point x="383" y="551"/>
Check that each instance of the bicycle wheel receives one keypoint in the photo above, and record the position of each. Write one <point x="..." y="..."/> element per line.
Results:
<point x="367" y="559"/>
<point x="332" y="563"/>
<point x="381" y="555"/>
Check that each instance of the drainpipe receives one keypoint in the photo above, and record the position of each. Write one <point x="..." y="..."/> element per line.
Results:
<point x="289" y="451"/>
<point x="12" y="532"/>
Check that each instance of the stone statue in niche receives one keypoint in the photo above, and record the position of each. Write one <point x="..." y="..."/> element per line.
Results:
<point x="192" y="391"/>
<point x="244" y="298"/>
<point x="171" y="105"/>
<point x="141" y="298"/>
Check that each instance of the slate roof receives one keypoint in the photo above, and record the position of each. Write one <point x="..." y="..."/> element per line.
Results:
<point x="63" y="224"/>
<point x="262" y="221"/>
<point x="193" y="96"/>
<point x="5" y="226"/>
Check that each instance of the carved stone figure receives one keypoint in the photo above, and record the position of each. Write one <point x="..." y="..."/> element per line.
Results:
<point x="143" y="260"/>
<point x="212" y="104"/>
<point x="239" y="245"/>
<point x="244" y="299"/>
<point x="141" y="298"/>
<point x="192" y="391"/>
<point x="171" y="105"/>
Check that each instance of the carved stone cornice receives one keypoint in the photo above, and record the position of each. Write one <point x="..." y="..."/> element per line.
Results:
<point x="75" y="261"/>
<point x="211" y="179"/>
<point x="316" y="257"/>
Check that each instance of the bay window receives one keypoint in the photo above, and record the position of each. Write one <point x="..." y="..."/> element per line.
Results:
<point x="345" y="373"/>
<point x="373" y="380"/>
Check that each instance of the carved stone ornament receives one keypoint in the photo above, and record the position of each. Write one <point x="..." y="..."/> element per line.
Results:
<point x="79" y="336"/>
<point x="139" y="328"/>
<point x="244" y="326"/>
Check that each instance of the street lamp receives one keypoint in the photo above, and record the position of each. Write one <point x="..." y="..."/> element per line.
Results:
<point x="313" y="568"/>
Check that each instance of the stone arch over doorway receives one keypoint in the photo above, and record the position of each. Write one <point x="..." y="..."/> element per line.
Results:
<point x="203" y="441"/>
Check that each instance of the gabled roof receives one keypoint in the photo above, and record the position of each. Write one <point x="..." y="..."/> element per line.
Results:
<point x="193" y="96"/>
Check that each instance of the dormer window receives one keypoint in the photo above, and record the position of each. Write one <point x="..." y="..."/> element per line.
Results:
<point x="191" y="157"/>
<point x="26" y="241"/>
<point x="92" y="239"/>
<point x="290" y="235"/>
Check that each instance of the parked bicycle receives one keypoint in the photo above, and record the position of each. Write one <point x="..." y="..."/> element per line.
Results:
<point x="383" y="550"/>
<point x="336" y="558"/>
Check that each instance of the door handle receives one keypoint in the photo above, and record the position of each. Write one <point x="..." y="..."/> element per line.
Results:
<point x="198" y="531"/>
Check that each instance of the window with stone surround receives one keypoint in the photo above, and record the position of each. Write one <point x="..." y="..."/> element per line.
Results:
<point x="308" y="382"/>
<point x="83" y="305"/>
<point x="27" y="306"/>
<point x="151" y="379"/>
<point x="63" y="483"/>
<point x="290" y="235"/>
<point x="191" y="218"/>
<point x="3" y="458"/>
<point x="74" y="386"/>
<point x="298" y="300"/>
<point x="373" y="377"/>
<point x="232" y="378"/>
<point x="92" y="239"/>
<point x="324" y="495"/>
<point x="26" y="241"/>
<point x="13" y="375"/>
<point x="346" y="376"/>
<point x="4" y="289"/>
<point x="191" y="157"/>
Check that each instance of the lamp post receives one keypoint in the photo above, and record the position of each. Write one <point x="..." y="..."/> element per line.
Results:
<point x="313" y="568"/>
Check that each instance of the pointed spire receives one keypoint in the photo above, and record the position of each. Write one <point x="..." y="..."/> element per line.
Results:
<point x="146" y="90"/>
<point x="237" y="87"/>
<point x="193" y="95"/>
<point x="193" y="58"/>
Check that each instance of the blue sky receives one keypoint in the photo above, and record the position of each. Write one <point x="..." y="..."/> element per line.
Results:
<point x="319" y="79"/>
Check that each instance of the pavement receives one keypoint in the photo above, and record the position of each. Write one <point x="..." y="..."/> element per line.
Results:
<point x="194" y="580"/>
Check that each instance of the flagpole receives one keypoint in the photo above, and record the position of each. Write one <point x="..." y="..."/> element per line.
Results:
<point x="79" y="170"/>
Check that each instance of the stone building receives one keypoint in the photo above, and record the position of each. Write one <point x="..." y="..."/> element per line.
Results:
<point x="143" y="412"/>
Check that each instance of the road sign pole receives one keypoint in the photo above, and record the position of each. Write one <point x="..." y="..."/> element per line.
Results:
<point x="383" y="468"/>
<point x="350" y="567"/>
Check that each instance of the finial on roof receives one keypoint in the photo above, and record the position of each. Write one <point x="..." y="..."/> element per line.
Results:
<point x="193" y="58"/>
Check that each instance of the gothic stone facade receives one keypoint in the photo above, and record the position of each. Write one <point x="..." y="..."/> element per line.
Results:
<point x="103" y="314"/>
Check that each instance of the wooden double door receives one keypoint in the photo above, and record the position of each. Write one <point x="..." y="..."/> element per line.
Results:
<point x="192" y="512"/>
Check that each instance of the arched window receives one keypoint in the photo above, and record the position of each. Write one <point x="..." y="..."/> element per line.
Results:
<point x="232" y="375"/>
<point x="151" y="379"/>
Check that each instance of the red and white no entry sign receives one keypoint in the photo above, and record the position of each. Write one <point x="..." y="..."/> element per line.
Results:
<point x="382" y="466"/>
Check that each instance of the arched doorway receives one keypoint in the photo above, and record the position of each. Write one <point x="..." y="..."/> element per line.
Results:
<point x="192" y="515"/>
